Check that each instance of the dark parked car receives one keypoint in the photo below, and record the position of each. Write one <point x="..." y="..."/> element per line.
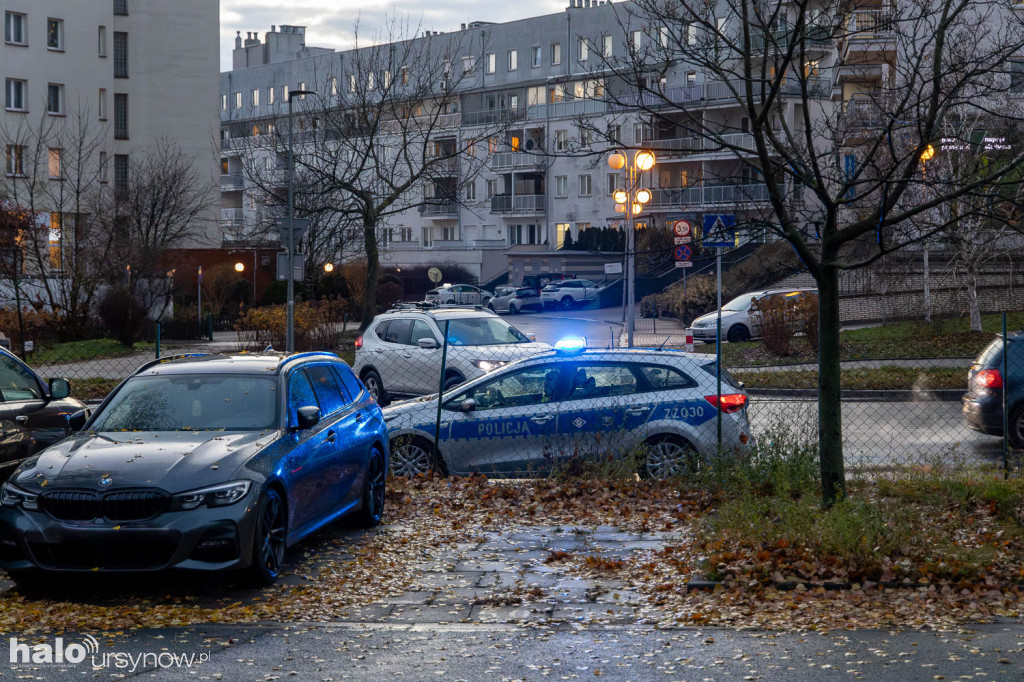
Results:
<point x="986" y="381"/>
<point x="203" y="462"/>
<point x="33" y="414"/>
<point x="540" y="281"/>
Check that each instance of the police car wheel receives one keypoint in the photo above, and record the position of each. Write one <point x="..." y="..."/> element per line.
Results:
<point x="668" y="457"/>
<point x="413" y="457"/>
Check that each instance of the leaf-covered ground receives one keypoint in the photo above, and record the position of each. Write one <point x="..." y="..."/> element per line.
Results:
<point x="339" y="572"/>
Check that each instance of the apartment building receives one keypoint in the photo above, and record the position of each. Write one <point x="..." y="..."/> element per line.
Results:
<point x="546" y="181"/>
<point x="88" y="86"/>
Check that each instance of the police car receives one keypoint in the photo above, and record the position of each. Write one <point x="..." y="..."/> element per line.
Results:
<point x="523" y="418"/>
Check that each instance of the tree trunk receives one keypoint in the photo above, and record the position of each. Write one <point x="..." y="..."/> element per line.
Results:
<point x="973" y="306"/>
<point x="830" y="432"/>
<point x="372" y="271"/>
<point x="927" y="286"/>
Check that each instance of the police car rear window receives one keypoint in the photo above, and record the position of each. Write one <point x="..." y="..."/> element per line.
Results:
<point x="727" y="378"/>
<point x="663" y="378"/>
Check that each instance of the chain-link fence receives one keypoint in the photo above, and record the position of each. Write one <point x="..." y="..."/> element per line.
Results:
<point x="609" y="404"/>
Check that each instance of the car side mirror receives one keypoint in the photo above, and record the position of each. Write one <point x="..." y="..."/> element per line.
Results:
<point x="529" y="335"/>
<point x="59" y="389"/>
<point x="75" y="421"/>
<point x="468" y="405"/>
<point x="308" y="417"/>
<point x="427" y="343"/>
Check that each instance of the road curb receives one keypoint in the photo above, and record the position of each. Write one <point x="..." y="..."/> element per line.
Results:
<point x="946" y="395"/>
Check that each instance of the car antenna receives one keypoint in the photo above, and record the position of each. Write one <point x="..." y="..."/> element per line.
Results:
<point x="663" y="343"/>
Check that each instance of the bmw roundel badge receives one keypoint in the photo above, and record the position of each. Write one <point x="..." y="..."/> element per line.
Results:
<point x="106" y="481"/>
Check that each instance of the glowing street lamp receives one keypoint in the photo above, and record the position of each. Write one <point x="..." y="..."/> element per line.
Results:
<point x="630" y="201"/>
<point x="239" y="267"/>
<point x="328" y="267"/>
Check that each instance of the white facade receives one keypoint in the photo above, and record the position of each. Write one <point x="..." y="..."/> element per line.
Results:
<point x="127" y="72"/>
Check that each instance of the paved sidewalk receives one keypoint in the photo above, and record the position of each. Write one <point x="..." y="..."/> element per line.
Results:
<point x="664" y="332"/>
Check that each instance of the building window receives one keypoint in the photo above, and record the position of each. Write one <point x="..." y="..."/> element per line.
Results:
<point x="471" y="191"/>
<point x="691" y="77"/>
<point x="585" y="185"/>
<point x="561" y="231"/>
<point x="636" y="40"/>
<point x="613" y="182"/>
<point x="556" y="93"/>
<point x="556" y="53"/>
<point x="14" y="28"/>
<point x="120" y="54"/>
<point x="608" y="46"/>
<point x="468" y="64"/>
<point x="428" y="237"/>
<point x="16" y="95"/>
<point x="55" y="239"/>
<point x="121" y="8"/>
<point x="534" y="95"/>
<point x="54" y="34"/>
<point x="15" y="160"/>
<point x="811" y="68"/>
<point x="121" y="174"/>
<point x="55" y="165"/>
<point x="663" y="37"/>
<point x="492" y="62"/>
<point x="584" y="50"/>
<point x="55" y="99"/>
<point x="333" y="85"/>
<point x="102" y="104"/>
<point x="535" y="56"/>
<point x="561" y="186"/>
<point x="270" y="95"/>
<point x="450" y="234"/>
<point x="120" y="116"/>
<point x="255" y="97"/>
<point x="1016" y="75"/>
<point x="561" y="140"/>
<point x="101" y="41"/>
<point x="613" y="133"/>
<point x="691" y="34"/>
<point x="238" y="100"/>
<point x="102" y="171"/>
<point x="586" y="138"/>
<point x="513" y="60"/>
<point x="492" y="188"/>
<point x="223" y="102"/>
<point x="351" y="82"/>
<point x="284" y="93"/>
<point x="403" y="75"/>
<point x="302" y="86"/>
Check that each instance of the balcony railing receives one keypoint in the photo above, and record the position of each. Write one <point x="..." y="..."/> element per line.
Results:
<point x="573" y="107"/>
<point x="514" y="160"/>
<point x="231" y="181"/>
<point x="444" y="209"/>
<point x="732" y="91"/>
<point x="708" y="195"/>
<point x="869" y="24"/>
<point x="232" y="216"/>
<point x="491" y="116"/>
<point x="705" y="145"/>
<point x="861" y="113"/>
<point x="520" y="203"/>
<point x="780" y="38"/>
<point x="443" y="165"/>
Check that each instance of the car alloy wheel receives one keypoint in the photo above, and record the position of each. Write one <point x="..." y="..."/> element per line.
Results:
<point x="738" y="334"/>
<point x="270" y="538"/>
<point x="513" y="309"/>
<point x="667" y="458"/>
<point x="374" y="489"/>
<point x="374" y="386"/>
<point x="410" y="457"/>
<point x="567" y="302"/>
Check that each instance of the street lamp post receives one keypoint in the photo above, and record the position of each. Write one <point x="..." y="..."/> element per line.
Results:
<point x="630" y="201"/>
<point x="290" y="335"/>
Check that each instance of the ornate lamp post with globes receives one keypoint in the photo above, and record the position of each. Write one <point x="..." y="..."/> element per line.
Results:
<point x="630" y="201"/>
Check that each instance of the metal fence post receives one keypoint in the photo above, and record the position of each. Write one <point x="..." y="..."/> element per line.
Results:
<point x="1006" y="392"/>
<point x="209" y="327"/>
<point x="157" y="340"/>
<point x="440" y="393"/>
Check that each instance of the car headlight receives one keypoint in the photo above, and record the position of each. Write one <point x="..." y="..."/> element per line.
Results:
<point x="488" y="365"/>
<point x="214" y="496"/>
<point x="13" y="497"/>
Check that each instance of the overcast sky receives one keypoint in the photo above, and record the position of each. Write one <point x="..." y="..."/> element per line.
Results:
<point x="330" y="22"/>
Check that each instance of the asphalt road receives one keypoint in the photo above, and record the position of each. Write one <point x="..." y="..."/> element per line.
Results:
<point x="420" y="651"/>
<point x="599" y="326"/>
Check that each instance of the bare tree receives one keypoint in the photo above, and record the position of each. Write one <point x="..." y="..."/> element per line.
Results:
<point x="386" y="135"/>
<point x="161" y="209"/>
<point x="842" y="179"/>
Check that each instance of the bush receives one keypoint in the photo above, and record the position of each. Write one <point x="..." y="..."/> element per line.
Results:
<point x="389" y="291"/>
<point x="807" y="314"/>
<point x="776" y="316"/>
<point x="40" y="326"/>
<point x="683" y="302"/>
<point x="124" y="316"/>
<point x="316" y="326"/>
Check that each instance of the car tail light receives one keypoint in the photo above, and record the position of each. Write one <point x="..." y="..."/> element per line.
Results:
<point x="733" y="402"/>
<point x="359" y="343"/>
<point x="989" y="378"/>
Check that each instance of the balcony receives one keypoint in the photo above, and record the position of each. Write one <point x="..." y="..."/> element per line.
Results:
<point x="573" y="107"/>
<point x="491" y="116"/>
<point x="722" y="92"/>
<point x="231" y="216"/>
<point x="710" y="195"/>
<point x="861" y="114"/>
<point x="815" y="37"/>
<point x="510" y="161"/>
<point x="518" y="204"/>
<point x="231" y="182"/>
<point x="443" y="165"/>
<point x="870" y="36"/>
<point x="442" y="210"/>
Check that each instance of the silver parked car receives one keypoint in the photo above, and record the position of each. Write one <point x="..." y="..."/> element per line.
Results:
<point x="569" y="293"/>
<point x="524" y="417"/>
<point x="515" y="299"/>
<point x="459" y="294"/>
<point x="737" y="323"/>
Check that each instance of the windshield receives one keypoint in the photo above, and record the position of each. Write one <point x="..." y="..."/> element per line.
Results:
<point x="483" y="331"/>
<point x="740" y="303"/>
<point x="192" y="402"/>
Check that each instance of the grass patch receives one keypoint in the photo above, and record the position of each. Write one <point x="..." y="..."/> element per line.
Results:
<point x="915" y="339"/>
<point x="887" y="378"/>
<point x="90" y="349"/>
